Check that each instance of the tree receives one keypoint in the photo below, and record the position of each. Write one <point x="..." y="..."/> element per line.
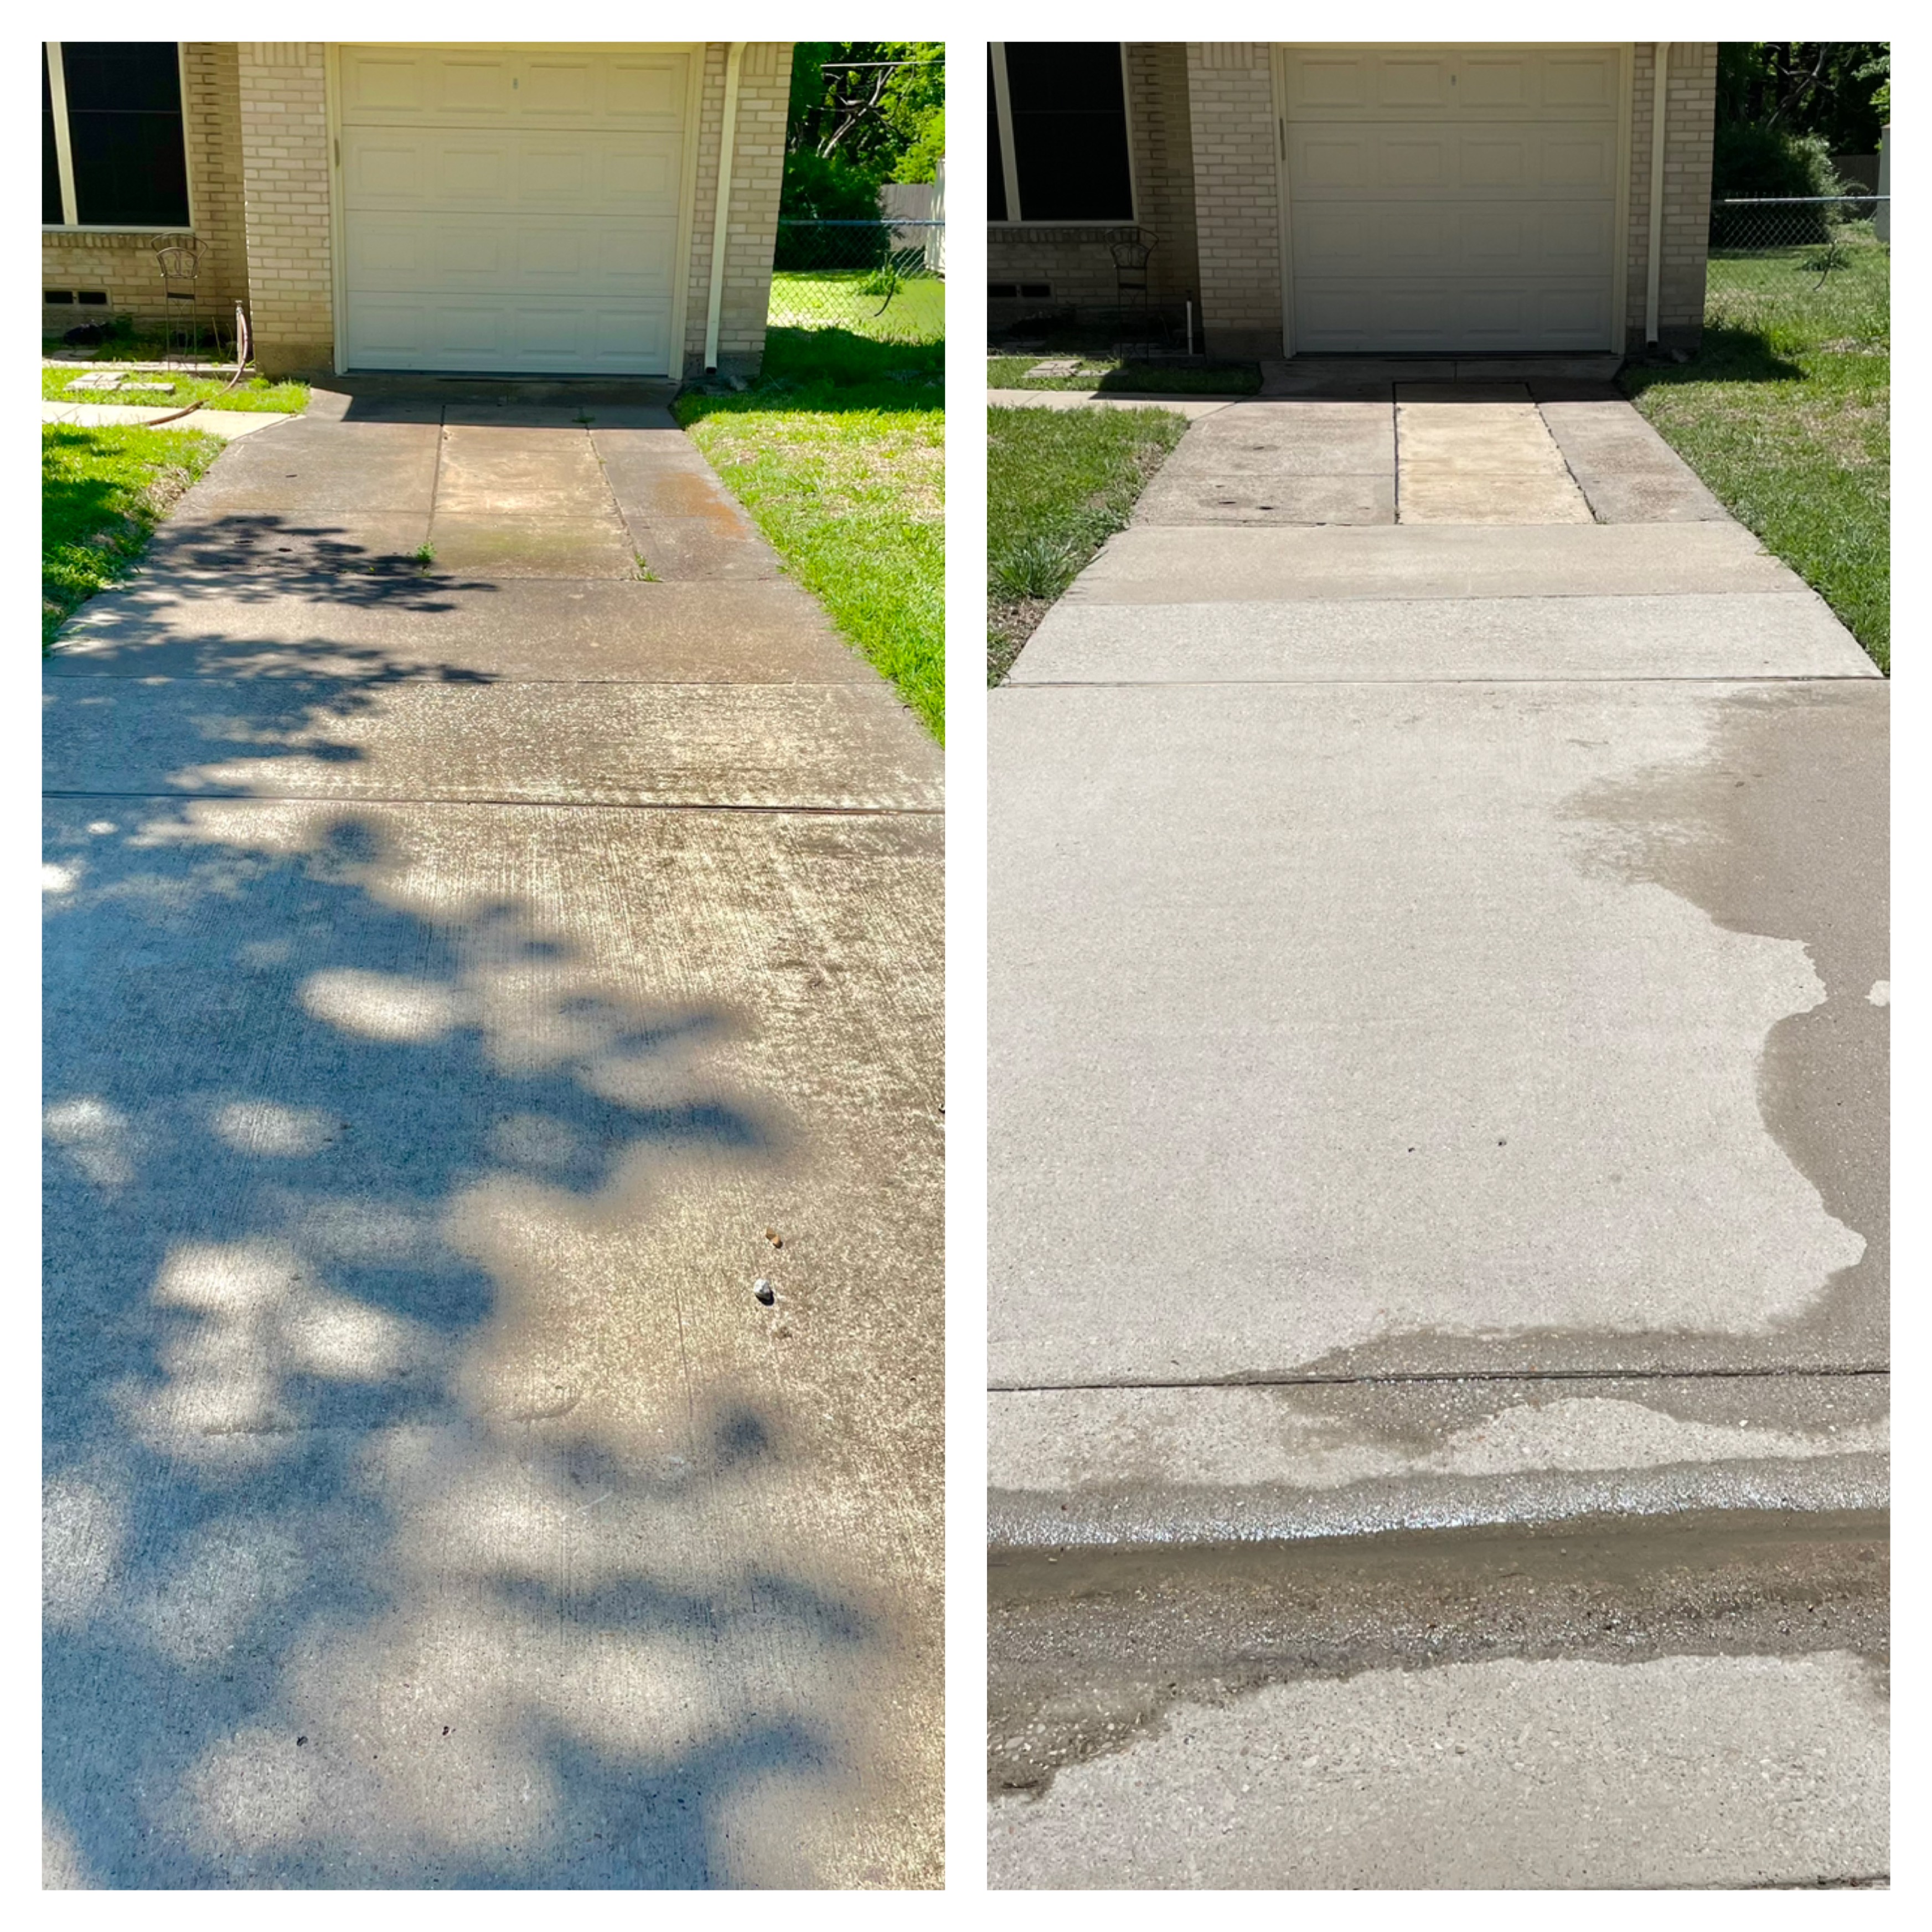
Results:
<point x="869" y="111"/>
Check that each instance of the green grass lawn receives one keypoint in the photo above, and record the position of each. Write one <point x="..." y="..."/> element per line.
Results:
<point x="1107" y="374"/>
<point x="1786" y="413"/>
<point x="255" y="393"/>
<point x="1059" y="483"/>
<point x="102" y="492"/>
<point x="838" y="452"/>
<point x="854" y="299"/>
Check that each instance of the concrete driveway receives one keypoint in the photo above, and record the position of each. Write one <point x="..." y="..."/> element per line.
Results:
<point x="493" y="1075"/>
<point x="1438" y="997"/>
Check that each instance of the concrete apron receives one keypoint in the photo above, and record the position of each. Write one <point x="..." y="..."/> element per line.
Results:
<point x="431" y="1500"/>
<point x="1438" y="1171"/>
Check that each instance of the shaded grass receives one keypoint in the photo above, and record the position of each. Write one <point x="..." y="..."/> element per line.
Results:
<point x="102" y="492"/>
<point x="1786" y="413"/>
<point x="254" y="393"/>
<point x="1059" y="483"/>
<point x="1109" y="375"/>
<point x="838" y="453"/>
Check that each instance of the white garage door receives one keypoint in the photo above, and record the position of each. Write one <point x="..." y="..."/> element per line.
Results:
<point x="509" y="211"/>
<point x="1445" y="198"/>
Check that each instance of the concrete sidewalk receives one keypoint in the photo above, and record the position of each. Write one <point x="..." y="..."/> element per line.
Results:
<point x="1438" y="1001"/>
<point x="493" y="1083"/>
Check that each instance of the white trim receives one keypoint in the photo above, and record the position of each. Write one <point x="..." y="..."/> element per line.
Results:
<point x="721" y="213"/>
<point x="1659" y="104"/>
<point x="63" y="135"/>
<point x="1620" y="275"/>
<point x="687" y="211"/>
<point x="1016" y="215"/>
<point x="1003" y="117"/>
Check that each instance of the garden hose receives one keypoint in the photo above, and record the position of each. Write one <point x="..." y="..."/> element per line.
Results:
<point x="242" y="345"/>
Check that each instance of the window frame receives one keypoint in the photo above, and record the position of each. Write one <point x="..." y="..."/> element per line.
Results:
<point x="1016" y="214"/>
<point x="64" y="148"/>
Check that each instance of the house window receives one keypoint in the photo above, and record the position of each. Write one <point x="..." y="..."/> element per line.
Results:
<point x="1059" y="146"/>
<point x="113" y="150"/>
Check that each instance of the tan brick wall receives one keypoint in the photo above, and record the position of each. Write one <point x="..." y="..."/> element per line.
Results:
<point x="123" y="266"/>
<point x="1689" y="121"/>
<point x="286" y="196"/>
<point x="1237" y="216"/>
<point x="757" y="175"/>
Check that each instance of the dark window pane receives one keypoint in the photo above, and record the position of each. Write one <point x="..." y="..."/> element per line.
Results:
<point x="996" y="172"/>
<point x="1070" y="130"/>
<point x="50" y="194"/>
<point x="124" y="118"/>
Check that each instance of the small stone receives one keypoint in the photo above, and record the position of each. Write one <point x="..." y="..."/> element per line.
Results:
<point x="765" y="1292"/>
<point x="773" y="1238"/>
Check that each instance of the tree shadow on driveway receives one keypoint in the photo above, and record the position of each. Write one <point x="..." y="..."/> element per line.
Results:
<point x="350" y="1580"/>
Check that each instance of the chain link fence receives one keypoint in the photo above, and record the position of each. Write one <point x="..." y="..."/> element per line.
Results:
<point x="1830" y="251"/>
<point x="885" y="279"/>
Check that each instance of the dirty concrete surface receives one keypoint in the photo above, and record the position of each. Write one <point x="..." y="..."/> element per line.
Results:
<point x="1438" y="1171"/>
<point x="431" y="1498"/>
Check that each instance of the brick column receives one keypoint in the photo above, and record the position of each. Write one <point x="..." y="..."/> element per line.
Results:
<point x="1238" y="222"/>
<point x="1690" y="123"/>
<point x="285" y="168"/>
<point x="757" y="175"/>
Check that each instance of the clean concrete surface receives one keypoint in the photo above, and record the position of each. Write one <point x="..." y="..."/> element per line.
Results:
<point x="1769" y="635"/>
<point x="1438" y="1256"/>
<point x="1421" y="1028"/>
<point x="1485" y="457"/>
<point x="1718" y="1772"/>
<point x="430" y="1500"/>
<point x="226" y="424"/>
<point x="1149" y="564"/>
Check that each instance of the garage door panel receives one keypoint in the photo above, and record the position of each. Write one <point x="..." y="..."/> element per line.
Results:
<point x="1501" y="83"/>
<point x="1452" y="198"/>
<point x="1325" y="161"/>
<point x="511" y="211"/>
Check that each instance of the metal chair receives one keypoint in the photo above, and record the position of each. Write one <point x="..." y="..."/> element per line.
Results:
<point x="1130" y="255"/>
<point x="183" y="321"/>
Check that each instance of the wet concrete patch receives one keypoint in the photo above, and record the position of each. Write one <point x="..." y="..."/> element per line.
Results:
<point x="1089" y="1650"/>
<point x="1782" y="830"/>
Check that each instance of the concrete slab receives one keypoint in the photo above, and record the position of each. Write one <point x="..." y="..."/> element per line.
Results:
<point x="428" y="1501"/>
<point x="313" y="546"/>
<point x="840" y="747"/>
<point x="1686" y="1771"/>
<point x="1148" y="565"/>
<point x="433" y="625"/>
<point x="496" y="544"/>
<point x="1778" y="635"/>
<point x="1468" y="1029"/>
<point x="1627" y="471"/>
<point x="550" y="474"/>
<point x="1451" y="492"/>
<point x="713" y="547"/>
<point x="1235" y="497"/>
<point x="360" y="470"/>
<point x="1139" y="1467"/>
<point x="226" y="424"/>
